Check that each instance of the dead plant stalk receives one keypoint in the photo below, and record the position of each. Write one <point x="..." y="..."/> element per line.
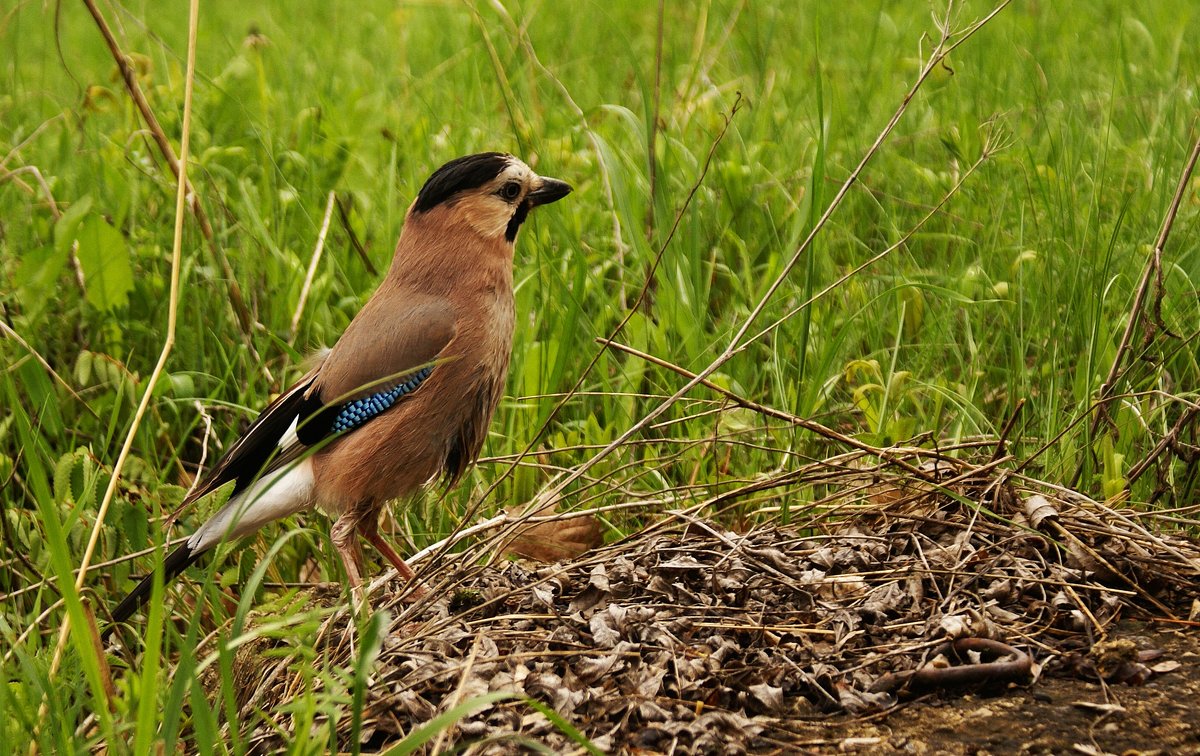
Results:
<point x="946" y="45"/>
<point x="1152" y="271"/>
<point x="168" y="341"/>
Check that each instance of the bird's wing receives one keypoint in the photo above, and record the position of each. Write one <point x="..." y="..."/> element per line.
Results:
<point x="386" y="353"/>
<point x="251" y="453"/>
<point x="388" y="350"/>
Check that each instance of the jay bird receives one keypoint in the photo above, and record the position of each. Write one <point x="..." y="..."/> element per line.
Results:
<point x="407" y="392"/>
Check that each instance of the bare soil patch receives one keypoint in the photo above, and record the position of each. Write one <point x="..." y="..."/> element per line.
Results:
<point x="1057" y="715"/>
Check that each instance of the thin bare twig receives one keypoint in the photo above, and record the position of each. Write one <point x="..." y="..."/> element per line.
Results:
<point x="10" y="333"/>
<point x="312" y="267"/>
<point x="348" y="227"/>
<point x="809" y="425"/>
<point x="1153" y="267"/>
<point x="1007" y="429"/>
<point x="34" y="626"/>
<point x="1171" y="437"/>
<point x="30" y="137"/>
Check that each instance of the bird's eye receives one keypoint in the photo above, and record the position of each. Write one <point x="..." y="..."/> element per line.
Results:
<point x="510" y="191"/>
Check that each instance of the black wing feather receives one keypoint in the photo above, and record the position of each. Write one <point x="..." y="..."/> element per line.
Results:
<point x="259" y="446"/>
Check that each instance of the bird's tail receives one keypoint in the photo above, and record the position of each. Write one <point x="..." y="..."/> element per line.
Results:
<point x="175" y="563"/>
<point x="276" y="494"/>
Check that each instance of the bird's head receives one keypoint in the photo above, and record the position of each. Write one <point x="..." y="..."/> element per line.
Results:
<point x="491" y="192"/>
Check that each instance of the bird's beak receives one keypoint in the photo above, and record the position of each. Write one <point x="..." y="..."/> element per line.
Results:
<point x="550" y="190"/>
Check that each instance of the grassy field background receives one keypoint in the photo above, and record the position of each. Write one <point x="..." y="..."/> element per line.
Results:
<point x="1068" y="125"/>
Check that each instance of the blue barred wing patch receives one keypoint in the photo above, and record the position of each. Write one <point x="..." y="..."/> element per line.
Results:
<point x="353" y="414"/>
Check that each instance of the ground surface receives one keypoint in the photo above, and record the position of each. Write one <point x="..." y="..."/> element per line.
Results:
<point x="918" y="626"/>
<point x="1054" y="716"/>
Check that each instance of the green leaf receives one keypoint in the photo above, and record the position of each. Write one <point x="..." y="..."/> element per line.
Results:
<point x="36" y="280"/>
<point x="565" y="727"/>
<point x="137" y="526"/>
<point x="83" y="368"/>
<point x="62" y="477"/>
<point x="104" y="257"/>
<point x="67" y="225"/>
<point x="430" y="729"/>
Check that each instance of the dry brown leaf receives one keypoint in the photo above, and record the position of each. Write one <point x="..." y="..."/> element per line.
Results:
<point x="1039" y="509"/>
<point x="689" y="637"/>
<point x="554" y="541"/>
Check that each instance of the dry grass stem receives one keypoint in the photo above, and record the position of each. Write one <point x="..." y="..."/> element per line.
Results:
<point x="168" y="341"/>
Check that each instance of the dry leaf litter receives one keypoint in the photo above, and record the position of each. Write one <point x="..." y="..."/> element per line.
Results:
<point x="691" y="638"/>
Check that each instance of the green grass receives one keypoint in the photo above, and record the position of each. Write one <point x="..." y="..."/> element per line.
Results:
<point x="1019" y="289"/>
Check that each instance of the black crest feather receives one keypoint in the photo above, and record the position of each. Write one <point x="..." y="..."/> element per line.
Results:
<point x="460" y="174"/>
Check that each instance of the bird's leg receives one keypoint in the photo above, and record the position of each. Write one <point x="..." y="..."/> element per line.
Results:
<point x="369" y="528"/>
<point x="345" y="539"/>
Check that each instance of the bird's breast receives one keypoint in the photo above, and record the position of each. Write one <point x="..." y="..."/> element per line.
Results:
<point x="437" y="430"/>
<point x="501" y="316"/>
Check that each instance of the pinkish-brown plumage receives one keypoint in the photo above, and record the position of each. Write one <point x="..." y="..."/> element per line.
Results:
<point x="457" y="295"/>
<point x="434" y="338"/>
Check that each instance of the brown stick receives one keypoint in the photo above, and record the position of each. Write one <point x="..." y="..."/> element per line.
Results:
<point x="1151" y="272"/>
<point x="1008" y="426"/>
<point x="762" y="409"/>
<point x="129" y="76"/>
<point x="1166" y="442"/>
<point x="344" y="215"/>
<point x="1015" y="669"/>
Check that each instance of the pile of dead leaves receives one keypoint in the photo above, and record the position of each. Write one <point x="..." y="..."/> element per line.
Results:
<point x="692" y="637"/>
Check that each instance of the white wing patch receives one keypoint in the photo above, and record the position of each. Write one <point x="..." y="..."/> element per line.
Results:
<point x="289" y="437"/>
<point x="277" y="494"/>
